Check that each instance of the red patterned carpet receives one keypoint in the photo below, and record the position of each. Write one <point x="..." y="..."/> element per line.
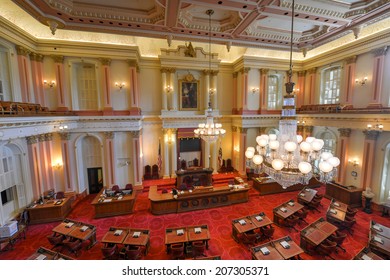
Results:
<point x="218" y="220"/>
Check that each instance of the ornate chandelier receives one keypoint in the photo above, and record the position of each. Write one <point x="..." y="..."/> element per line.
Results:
<point x="209" y="131"/>
<point x="285" y="157"/>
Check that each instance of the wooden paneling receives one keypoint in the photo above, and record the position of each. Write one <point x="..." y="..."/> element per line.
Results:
<point x="349" y="195"/>
<point x="49" y="211"/>
<point x="268" y="186"/>
<point x="114" y="207"/>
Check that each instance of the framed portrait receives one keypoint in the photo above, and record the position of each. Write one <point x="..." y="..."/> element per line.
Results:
<point x="189" y="93"/>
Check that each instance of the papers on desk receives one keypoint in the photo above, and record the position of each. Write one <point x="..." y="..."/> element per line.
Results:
<point x="107" y="200"/>
<point x="119" y="197"/>
<point x="83" y="228"/>
<point x="198" y="230"/>
<point x="365" y="257"/>
<point x="58" y="202"/>
<point x="377" y="228"/>
<point x="378" y="239"/>
<point x="265" y="251"/>
<point x="68" y="225"/>
<point x="291" y="203"/>
<point x="179" y="232"/>
<point x="285" y="244"/>
<point x="118" y="232"/>
<point x="41" y="257"/>
<point x="332" y="211"/>
<point x="259" y="218"/>
<point x="284" y="210"/>
<point x="302" y="194"/>
<point x="242" y="222"/>
<point x="336" y="204"/>
<point x="308" y="190"/>
<point x="136" y="234"/>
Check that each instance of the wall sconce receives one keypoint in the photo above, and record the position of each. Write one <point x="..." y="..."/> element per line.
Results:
<point x="361" y="82"/>
<point x="169" y="139"/>
<point x="168" y="88"/>
<point x="255" y="90"/>
<point x="354" y="162"/>
<point x="49" y="84"/>
<point x="301" y="122"/>
<point x="212" y="91"/>
<point x="296" y="90"/>
<point x="376" y="127"/>
<point x="58" y="165"/>
<point x="62" y="127"/>
<point x="120" y="85"/>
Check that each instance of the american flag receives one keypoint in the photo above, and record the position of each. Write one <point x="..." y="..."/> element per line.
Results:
<point x="220" y="157"/>
<point x="159" y="160"/>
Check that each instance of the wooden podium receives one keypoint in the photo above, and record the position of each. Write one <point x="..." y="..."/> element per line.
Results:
<point x="197" y="176"/>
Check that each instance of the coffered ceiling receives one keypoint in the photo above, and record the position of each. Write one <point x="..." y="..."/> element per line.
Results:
<point x="245" y="23"/>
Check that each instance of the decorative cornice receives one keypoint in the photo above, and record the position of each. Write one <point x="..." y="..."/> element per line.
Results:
<point x="58" y="58"/>
<point x="301" y="73"/>
<point x="31" y="139"/>
<point x="65" y="136"/>
<point x="105" y="61"/>
<point x="22" y="51"/>
<point x="345" y="132"/>
<point x="36" y="57"/>
<point x="48" y="137"/>
<point x="380" y="51"/>
<point x="371" y="134"/>
<point x="312" y="70"/>
<point x="41" y="138"/>
<point x="135" y="134"/>
<point x="351" y="59"/>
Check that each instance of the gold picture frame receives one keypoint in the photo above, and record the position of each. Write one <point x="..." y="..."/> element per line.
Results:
<point x="189" y="93"/>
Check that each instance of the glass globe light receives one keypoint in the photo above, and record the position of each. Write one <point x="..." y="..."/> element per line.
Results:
<point x="317" y="145"/>
<point x="257" y="159"/>
<point x="304" y="167"/>
<point x="326" y="156"/>
<point x="263" y="142"/>
<point x="334" y="161"/>
<point x="305" y="146"/>
<point x="249" y="154"/>
<point x="325" y="166"/>
<point x="272" y="137"/>
<point x="299" y="138"/>
<point x="274" y="144"/>
<point x="277" y="164"/>
<point x="310" y="139"/>
<point x="250" y="149"/>
<point x="290" y="146"/>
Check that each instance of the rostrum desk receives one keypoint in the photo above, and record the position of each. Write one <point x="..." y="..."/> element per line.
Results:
<point x="50" y="211"/>
<point x="197" y="176"/>
<point x="268" y="186"/>
<point x="199" y="198"/>
<point x="112" y="206"/>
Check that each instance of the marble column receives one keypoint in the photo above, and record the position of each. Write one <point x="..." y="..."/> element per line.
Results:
<point x="263" y="89"/>
<point x="342" y="149"/>
<point x="244" y="88"/>
<point x="349" y="80"/>
<point x="368" y="157"/>
<point x="235" y="94"/>
<point x="109" y="155"/>
<point x="35" y="160"/>
<point x="174" y="156"/>
<point x="134" y="90"/>
<point x="137" y="160"/>
<point x="66" y="159"/>
<point x="312" y="85"/>
<point x="24" y="73"/>
<point x="377" y="77"/>
<point x="214" y="156"/>
<point x="61" y="84"/>
<point x="106" y="83"/>
<point x="37" y="77"/>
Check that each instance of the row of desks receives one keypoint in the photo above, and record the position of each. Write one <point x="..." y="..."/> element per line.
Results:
<point x="77" y="230"/>
<point x="315" y="233"/>
<point x="128" y="236"/>
<point x="248" y="223"/>
<point x="187" y="235"/>
<point x="285" y="210"/>
<point x="379" y="239"/>
<point x="279" y="249"/>
<point x="46" y="254"/>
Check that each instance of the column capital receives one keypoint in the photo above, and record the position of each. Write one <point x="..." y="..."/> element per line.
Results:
<point x="308" y="128"/>
<point x="262" y="130"/>
<point x="301" y="73"/>
<point x="105" y="61"/>
<point x="64" y="136"/>
<point x="380" y="51"/>
<point x="133" y="63"/>
<point x="243" y="130"/>
<point x="235" y="74"/>
<point x="345" y="132"/>
<point x="206" y="72"/>
<point x="58" y="58"/>
<point x="264" y="71"/>
<point x="312" y="70"/>
<point x="20" y="50"/>
<point x="48" y="136"/>
<point x="234" y="128"/>
<point x="31" y="140"/>
<point x="109" y="134"/>
<point x="371" y="134"/>
<point x="245" y="70"/>
<point x="36" y="57"/>
<point x="214" y="72"/>
<point x="351" y="59"/>
<point x="41" y="138"/>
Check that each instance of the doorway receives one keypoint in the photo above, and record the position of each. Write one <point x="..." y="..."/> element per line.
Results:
<point x="95" y="179"/>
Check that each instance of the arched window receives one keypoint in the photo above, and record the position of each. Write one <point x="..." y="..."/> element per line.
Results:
<point x="385" y="180"/>
<point x="330" y="85"/>
<point x="274" y="92"/>
<point x="8" y="175"/>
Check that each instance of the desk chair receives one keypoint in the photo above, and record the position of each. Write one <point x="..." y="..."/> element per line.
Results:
<point x="56" y="240"/>
<point x="268" y="232"/>
<point x="348" y="223"/>
<point x="177" y="251"/>
<point x="115" y="188"/>
<point x="60" y="195"/>
<point x="291" y="222"/>
<point x="109" y="252"/>
<point x="198" y="249"/>
<point x="314" y="204"/>
<point x="250" y="238"/>
<point x="339" y="238"/>
<point x="302" y="214"/>
<point x="129" y="187"/>
<point x="73" y="246"/>
<point x="133" y="252"/>
<point x="326" y="248"/>
<point x="351" y="212"/>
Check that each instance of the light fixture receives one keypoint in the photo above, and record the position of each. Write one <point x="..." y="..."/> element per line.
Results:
<point x="120" y="85"/>
<point x="376" y="127"/>
<point x="254" y="90"/>
<point x="296" y="90"/>
<point x="209" y="131"/>
<point x="57" y="165"/>
<point x="212" y="91"/>
<point x="168" y="88"/>
<point x="301" y="122"/>
<point x="285" y="157"/>
<point x="62" y="127"/>
<point x="49" y="84"/>
<point x="354" y="162"/>
<point x="362" y="81"/>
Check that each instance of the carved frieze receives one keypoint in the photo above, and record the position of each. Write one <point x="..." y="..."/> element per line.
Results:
<point x="345" y="132"/>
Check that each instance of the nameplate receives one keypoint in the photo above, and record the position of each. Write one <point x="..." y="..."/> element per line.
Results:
<point x="107" y="200"/>
<point x="198" y="230"/>
<point x="41" y="257"/>
<point x="118" y="232"/>
<point x="336" y="204"/>
<point x="259" y="218"/>
<point x="333" y="211"/>
<point x="179" y="232"/>
<point x="285" y="244"/>
<point x="377" y="228"/>
<point x="242" y="222"/>
<point x="291" y="203"/>
<point x="308" y="190"/>
<point x="284" y="210"/>
<point x="265" y="251"/>
<point x="136" y="234"/>
<point x="68" y="225"/>
<point x="83" y="228"/>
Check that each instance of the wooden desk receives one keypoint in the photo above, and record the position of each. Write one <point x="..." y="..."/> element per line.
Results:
<point x="199" y="198"/>
<point x="382" y="248"/>
<point x="315" y="233"/>
<point x="112" y="237"/>
<point x="209" y="258"/>
<point x="142" y="240"/>
<point x="306" y="195"/>
<point x="335" y="214"/>
<point x="367" y="254"/>
<point x="203" y="235"/>
<point x="196" y="176"/>
<point x="46" y="254"/>
<point x="11" y="240"/>
<point x="75" y="231"/>
<point x="339" y="205"/>
<point x="379" y="229"/>
<point x="348" y="195"/>
<point x="51" y="211"/>
<point x="112" y="206"/>
<point x="266" y="186"/>
<point x="251" y="223"/>
<point x="280" y="215"/>
<point x="172" y="237"/>
<point x="276" y="250"/>
<point x="63" y="228"/>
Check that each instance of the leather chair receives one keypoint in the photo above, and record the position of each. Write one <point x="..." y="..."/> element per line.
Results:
<point x="56" y="240"/>
<point x="155" y="174"/>
<point x="198" y="249"/>
<point x="110" y="252"/>
<point x="133" y="252"/>
<point x="348" y="223"/>
<point x="314" y="204"/>
<point x="73" y="246"/>
<point x="250" y="238"/>
<point x="268" y="232"/>
<point x="229" y="167"/>
<point x="115" y="188"/>
<point x="183" y="165"/>
<point x="339" y="238"/>
<point x="129" y="187"/>
<point x="60" y="195"/>
<point x="351" y="212"/>
<point x="326" y="248"/>
<point x="195" y="162"/>
<point x="291" y="222"/>
<point x="177" y="251"/>
<point x="302" y="214"/>
<point x="148" y="172"/>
